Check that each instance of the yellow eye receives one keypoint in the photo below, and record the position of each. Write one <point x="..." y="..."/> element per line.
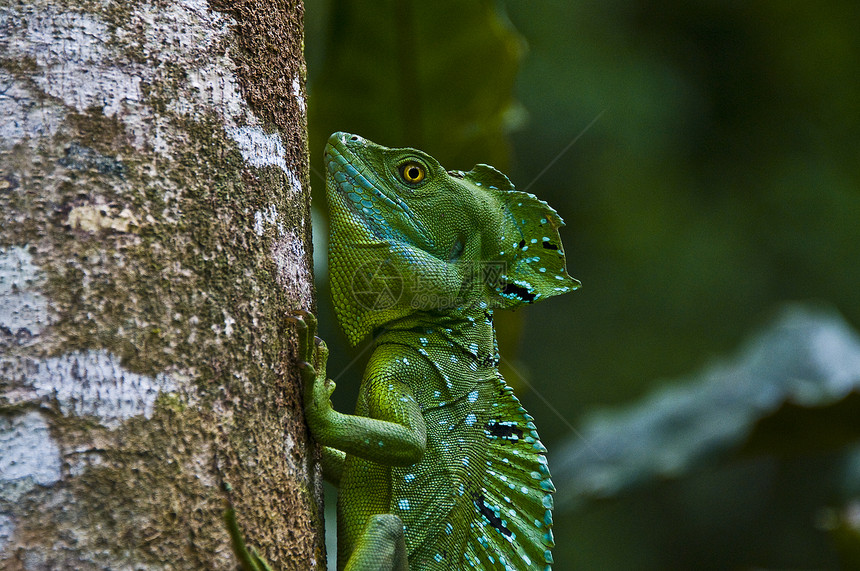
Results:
<point x="412" y="172"/>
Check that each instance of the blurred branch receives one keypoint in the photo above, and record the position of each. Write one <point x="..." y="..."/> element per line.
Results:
<point x="793" y="388"/>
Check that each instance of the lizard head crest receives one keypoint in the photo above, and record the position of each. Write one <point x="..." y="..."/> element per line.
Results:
<point x="407" y="236"/>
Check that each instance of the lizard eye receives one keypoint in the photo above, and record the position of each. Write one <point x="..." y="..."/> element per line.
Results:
<point x="412" y="172"/>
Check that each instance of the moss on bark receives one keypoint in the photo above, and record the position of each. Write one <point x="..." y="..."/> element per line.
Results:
<point x="180" y="259"/>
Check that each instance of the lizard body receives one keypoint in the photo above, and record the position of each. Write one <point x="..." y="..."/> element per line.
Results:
<point x="440" y="463"/>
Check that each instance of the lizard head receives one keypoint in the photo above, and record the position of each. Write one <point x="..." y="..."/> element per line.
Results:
<point x="408" y="236"/>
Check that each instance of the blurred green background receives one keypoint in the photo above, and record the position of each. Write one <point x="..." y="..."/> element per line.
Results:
<point x="711" y="175"/>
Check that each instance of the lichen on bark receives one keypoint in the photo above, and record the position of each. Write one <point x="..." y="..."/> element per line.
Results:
<point x="153" y="234"/>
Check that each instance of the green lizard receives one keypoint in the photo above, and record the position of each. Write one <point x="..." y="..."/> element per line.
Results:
<point x="440" y="463"/>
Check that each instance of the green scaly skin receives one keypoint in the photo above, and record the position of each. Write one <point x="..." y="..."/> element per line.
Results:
<point x="440" y="463"/>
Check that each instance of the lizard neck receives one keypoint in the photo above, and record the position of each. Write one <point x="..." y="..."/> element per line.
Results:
<point x="470" y="333"/>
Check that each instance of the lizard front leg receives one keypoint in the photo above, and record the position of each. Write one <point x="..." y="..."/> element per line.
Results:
<point x="313" y="356"/>
<point x="393" y="433"/>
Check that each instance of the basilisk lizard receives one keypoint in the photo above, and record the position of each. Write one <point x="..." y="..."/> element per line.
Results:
<point x="440" y="464"/>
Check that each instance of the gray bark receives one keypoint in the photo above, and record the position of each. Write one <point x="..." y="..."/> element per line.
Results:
<point x="154" y="231"/>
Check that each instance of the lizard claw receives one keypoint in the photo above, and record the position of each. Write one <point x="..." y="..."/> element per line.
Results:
<point x="312" y="357"/>
<point x="320" y="355"/>
<point x="330" y="386"/>
<point x="307" y="327"/>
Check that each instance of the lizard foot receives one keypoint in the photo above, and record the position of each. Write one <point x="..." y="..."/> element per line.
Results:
<point x="313" y="356"/>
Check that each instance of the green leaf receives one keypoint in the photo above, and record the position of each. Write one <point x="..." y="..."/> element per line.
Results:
<point x="437" y="76"/>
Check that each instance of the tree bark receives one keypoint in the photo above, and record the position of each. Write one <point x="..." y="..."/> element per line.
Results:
<point x="154" y="232"/>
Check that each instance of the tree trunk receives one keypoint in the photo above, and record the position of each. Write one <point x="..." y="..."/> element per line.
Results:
<point x="154" y="232"/>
